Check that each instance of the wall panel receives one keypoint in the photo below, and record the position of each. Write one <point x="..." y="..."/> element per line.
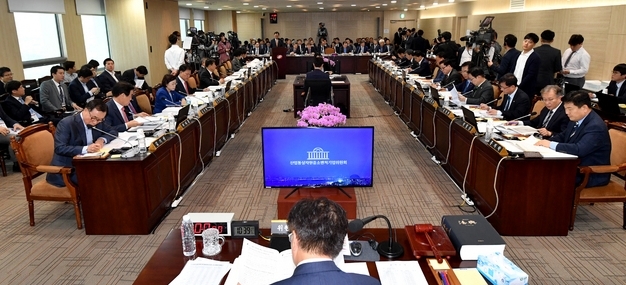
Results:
<point x="161" y="20"/>
<point x="73" y="31"/>
<point x="10" y="55"/>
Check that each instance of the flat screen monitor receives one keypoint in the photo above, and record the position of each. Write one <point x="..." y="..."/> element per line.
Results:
<point x="318" y="157"/>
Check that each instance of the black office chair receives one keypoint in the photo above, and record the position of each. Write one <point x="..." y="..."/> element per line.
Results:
<point x="320" y="91"/>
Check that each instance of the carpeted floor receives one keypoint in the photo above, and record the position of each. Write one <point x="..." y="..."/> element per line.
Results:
<point x="408" y="187"/>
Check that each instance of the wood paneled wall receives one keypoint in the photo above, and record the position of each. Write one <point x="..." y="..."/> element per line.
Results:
<point x="74" y="39"/>
<point x="249" y="26"/>
<point x="128" y="38"/>
<point x="161" y="21"/>
<point x="219" y="21"/>
<point x="10" y="55"/>
<point x="603" y="28"/>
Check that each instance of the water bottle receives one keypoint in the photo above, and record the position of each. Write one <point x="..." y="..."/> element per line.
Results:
<point x="489" y="130"/>
<point x="171" y="123"/>
<point x="193" y="109"/>
<point x="141" y="141"/>
<point x="189" y="240"/>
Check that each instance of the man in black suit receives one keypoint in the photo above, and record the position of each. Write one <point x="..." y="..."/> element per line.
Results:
<point x="19" y="107"/>
<point x="450" y="75"/>
<point x="79" y="90"/>
<point x="134" y="74"/>
<point x="483" y="92"/>
<point x="182" y="87"/>
<point x="276" y="42"/>
<point x="586" y="136"/>
<point x="401" y="61"/>
<point x="207" y="75"/>
<point x="316" y="74"/>
<point x="420" y="43"/>
<point x="397" y="38"/>
<point x="515" y="103"/>
<point x="448" y="47"/>
<point x="121" y="111"/>
<point x="420" y="65"/>
<point x="466" y="85"/>
<point x="552" y="118"/>
<point x="616" y="86"/>
<point x="108" y="78"/>
<point x="527" y="65"/>
<point x="5" y="76"/>
<point x="7" y="124"/>
<point x="550" y="60"/>
<point x="507" y="65"/>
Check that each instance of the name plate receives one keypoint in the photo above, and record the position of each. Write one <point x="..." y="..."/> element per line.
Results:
<point x="498" y="147"/>
<point x="158" y="142"/>
<point x="448" y="113"/>
<point x="185" y="124"/>
<point x="204" y="110"/>
<point x="431" y="102"/>
<point x="468" y="127"/>
<point x="279" y="227"/>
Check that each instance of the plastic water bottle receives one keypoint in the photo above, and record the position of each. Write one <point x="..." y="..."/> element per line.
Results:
<point x="189" y="240"/>
<point x="141" y="141"/>
<point x="193" y="109"/>
<point x="171" y="123"/>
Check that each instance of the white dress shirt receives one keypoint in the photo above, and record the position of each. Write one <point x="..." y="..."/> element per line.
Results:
<point x="174" y="57"/>
<point x="578" y="65"/>
<point x="521" y="64"/>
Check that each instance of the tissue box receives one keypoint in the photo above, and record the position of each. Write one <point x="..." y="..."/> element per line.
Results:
<point x="500" y="271"/>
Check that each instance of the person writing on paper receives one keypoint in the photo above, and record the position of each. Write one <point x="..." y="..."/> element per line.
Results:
<point x="586" y="136"/>
<point x="121" y="111"/>
<point x="515" y="103"/>
<point x="208" y="75"/>
<point x="483" y="92"/>
<point x="75" y="135"/>
<point x="167" y="96"/>
<point x="552" y="118"/>
<point x="450" y="75"/>
<point x="317" y="232"/>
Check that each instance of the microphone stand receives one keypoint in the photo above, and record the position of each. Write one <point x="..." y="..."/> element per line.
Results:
<point x="390" y="249"/>
<point x="127" y="154"/>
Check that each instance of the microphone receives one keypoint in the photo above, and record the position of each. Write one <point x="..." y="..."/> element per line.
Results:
<point x="127" y="154"/>
<point x="468" y="92"/>
<point x="528" y="115"/>
<point x="494" y="100"/>
<point x="389" y="248"/>
<point x="175" y="104"/>
<point x="445" y="86"/>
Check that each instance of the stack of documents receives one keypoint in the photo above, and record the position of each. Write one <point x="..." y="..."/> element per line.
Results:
<point x="400" y="272"/>
<point x="202" y="271"/>
<point x="529" y="145"/>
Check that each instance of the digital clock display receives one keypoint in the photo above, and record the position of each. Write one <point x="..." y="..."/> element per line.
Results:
<point x="199" y="227"/>
<point x="245" y="231"/>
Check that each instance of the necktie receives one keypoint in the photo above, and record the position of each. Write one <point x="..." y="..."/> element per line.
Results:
<point x="62" y="96"/>
<point x="124" y="115"/>
<point x="132" y="109"/>
<point x="574" y="130"/>
<point x="129" y="114"/>
<point x="185" y="85"/>
<point x="568" y="59"/>
<point x="467" y="84"/>
<point x="547" y="119"/>
<point x="508" y="103"/>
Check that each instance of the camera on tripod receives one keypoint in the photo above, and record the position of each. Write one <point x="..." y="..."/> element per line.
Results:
<point x="483" y="36"/>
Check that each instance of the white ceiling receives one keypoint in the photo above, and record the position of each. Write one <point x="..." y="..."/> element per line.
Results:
<point x="259" y="6"/>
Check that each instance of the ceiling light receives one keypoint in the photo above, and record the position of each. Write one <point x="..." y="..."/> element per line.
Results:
<point x="246" y="3"/>
<point x="206" y="7"/>
<point x="384" y="4"/>
<point x="288" y="6"/>
<point x="256" y="6"/>
<point x="377" y="7"/>
<point x="321" y="8"/>
<point x="451" y="1"/>
<point x="405" y="9"/>
<point x="435" y="4"/>
<point x="353" y="5"/>
<point x="422" y="6"/>
<point x="393" y="2"/>
<point x="263" y="8"/>
<point x="188" y="4"/>
<point x="320" y="3"/>
<point x="219" y="9"/>
<point x="238" y="12"/>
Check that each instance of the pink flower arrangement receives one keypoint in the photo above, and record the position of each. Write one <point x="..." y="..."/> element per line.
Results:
<point x="329" y="61"/>
<point x="322" y="115"/>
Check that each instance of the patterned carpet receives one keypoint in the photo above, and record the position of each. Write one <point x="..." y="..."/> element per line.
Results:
<point x="409" y="188"/>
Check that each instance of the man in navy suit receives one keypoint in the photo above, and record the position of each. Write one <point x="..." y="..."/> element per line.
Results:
<point x="420" y="65"/>
<point x="121" y="111"/>
<point x="19" y="107"/>
<point x="507" y="65"/>
<point x="80" y="92"/>
<point x="316" y="74"/>
<point x="617" y="86"/>
<point x="550" y="60"/>
<point x="466" y="85"/>
<point x="552" y="118"/>
<point x="182" y="87"/>
<point x="586" y="136"/>
<point x="515" y="103"/>
<point x="74" y="135"/>
<point x="108" y="78"/>
<point x="527" y="65"/>
<point x="317" y="231"/>
<point x="276" y="41"/>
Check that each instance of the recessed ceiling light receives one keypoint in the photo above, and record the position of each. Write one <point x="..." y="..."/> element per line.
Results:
<point x="219" y="9"/>
<point x="288" y="6"/>
<point x="451" y="1"/>
<point x="422" y="6"/>
<point x="393" y="2"/>
<point x="188" y="4"/>
<point x="405" y="9"/>
<point x="384" y="4"/>
<point x="435" y="4"/>
<point x="353" y="5"/>
<point x="206" y="7"/>
<point x="377" y="7"/>
<point x="256" y="6"/>
<point x="263" y="8"/>
<point x="321" y="8"/>
<point x="246" y="3"/>
<point x="320" y="3"/>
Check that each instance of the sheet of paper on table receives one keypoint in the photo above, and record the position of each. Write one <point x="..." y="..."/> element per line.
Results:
<point x="202" y="271"/>
<point x="400" y="272"/>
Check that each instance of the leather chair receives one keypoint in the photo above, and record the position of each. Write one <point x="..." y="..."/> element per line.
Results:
<point x="614" y="191"/>
<point x="537" y="108"/>
<point x="34" y="148"/>
<point x="320" y="91"/>
<point x="144" y="103"/>
<point x="329" y="50"/>
<point x="154" y="92"/>
<point x="223" y="71"/>
<point x="497" y="94"/>
<point x="42" y="79"/>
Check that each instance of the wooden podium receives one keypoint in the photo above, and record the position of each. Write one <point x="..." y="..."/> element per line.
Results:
<point x="279" y="55"/>
<point x="334" y="194"/>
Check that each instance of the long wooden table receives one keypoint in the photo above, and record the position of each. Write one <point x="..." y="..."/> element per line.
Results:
<point x="341" y="93"/>
<point x="532" y="197"/>
<point x="131" y="196"/>
<point x="301" y="64"/>
<point x="168" y="260"/>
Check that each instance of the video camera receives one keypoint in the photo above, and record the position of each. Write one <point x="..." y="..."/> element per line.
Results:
<point x="483" y="36"/>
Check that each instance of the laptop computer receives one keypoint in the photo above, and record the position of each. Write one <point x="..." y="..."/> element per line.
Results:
<point x="227" y="87"/>
<point x="470" y="118"/>
<point x="609" y="104"/>
<point x="570" y="87"/>
<point x="182" y="114"/>
<point x="435" y="94"/>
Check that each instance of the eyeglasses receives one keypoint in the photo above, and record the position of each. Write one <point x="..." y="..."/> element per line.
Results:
<point x="290" y="235"/>
<point x="94" y="118"/>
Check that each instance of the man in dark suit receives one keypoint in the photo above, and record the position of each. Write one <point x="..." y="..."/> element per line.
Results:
<point x="207" y="75"/>
<point x="483" y="92"/>
<point x="515" y="103"/>
<point x="420" y="43"/>
<point x="182" y="87"/>
<point x="5" y="76"/>
<point x="507" y="65"/>
<point x="401" y="61"/>
<point x="420" y="65"/>
<point x="79" y="91"/>
<point x="108" y="78"/>
<point x="617" y="86"/>
<point x="450" y="75"/>
<point x="121" y="112"/>
<point x="362" y="48"/>
<point x="550" y="60"/>
<point x="345" y="48"/>
<point x="397" y="38"/>
<point x="317" y="231"/>
<point x="316" y="74"/>
<point x="586" y="136"/>
<point x="552" y="118"/>
<point x="74" y="135"/>
<point x="466" y="85"/>
<point x="527" y="65"/>
<point x="8" y="124"/>
<point x="54" y="95"/>
<point x="19" y="107"/>
<point x="276" y="42"/>
<point x="132" y="75"/>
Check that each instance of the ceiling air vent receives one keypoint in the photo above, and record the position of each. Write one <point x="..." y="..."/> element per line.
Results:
<point x="517" y="4"/>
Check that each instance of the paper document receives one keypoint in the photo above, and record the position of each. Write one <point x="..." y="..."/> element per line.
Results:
<point x="454" y="96"/>
<point x="354" y="267"/>
<point x="400" y="272"/>
<point x="260" y="265"/>
<point x="202" y="271"/>
<point x="523" y="130"/>
<point x="139" y="83"/>
<point x="93" y="154"/>
<point x="338" y="82"/>
<point x="148" y="119"/>
<point x="187" y="43"/>
<point x="529" y="145"/>
<point x="469" y="276"/>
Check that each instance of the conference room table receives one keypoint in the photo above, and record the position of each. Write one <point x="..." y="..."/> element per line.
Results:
<point x="522" y="197"/>
<point x="132" y="195"/>
<point x="341" y="92"/>
<point x="300" y="64"/>
<point x="168" y="260"/>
